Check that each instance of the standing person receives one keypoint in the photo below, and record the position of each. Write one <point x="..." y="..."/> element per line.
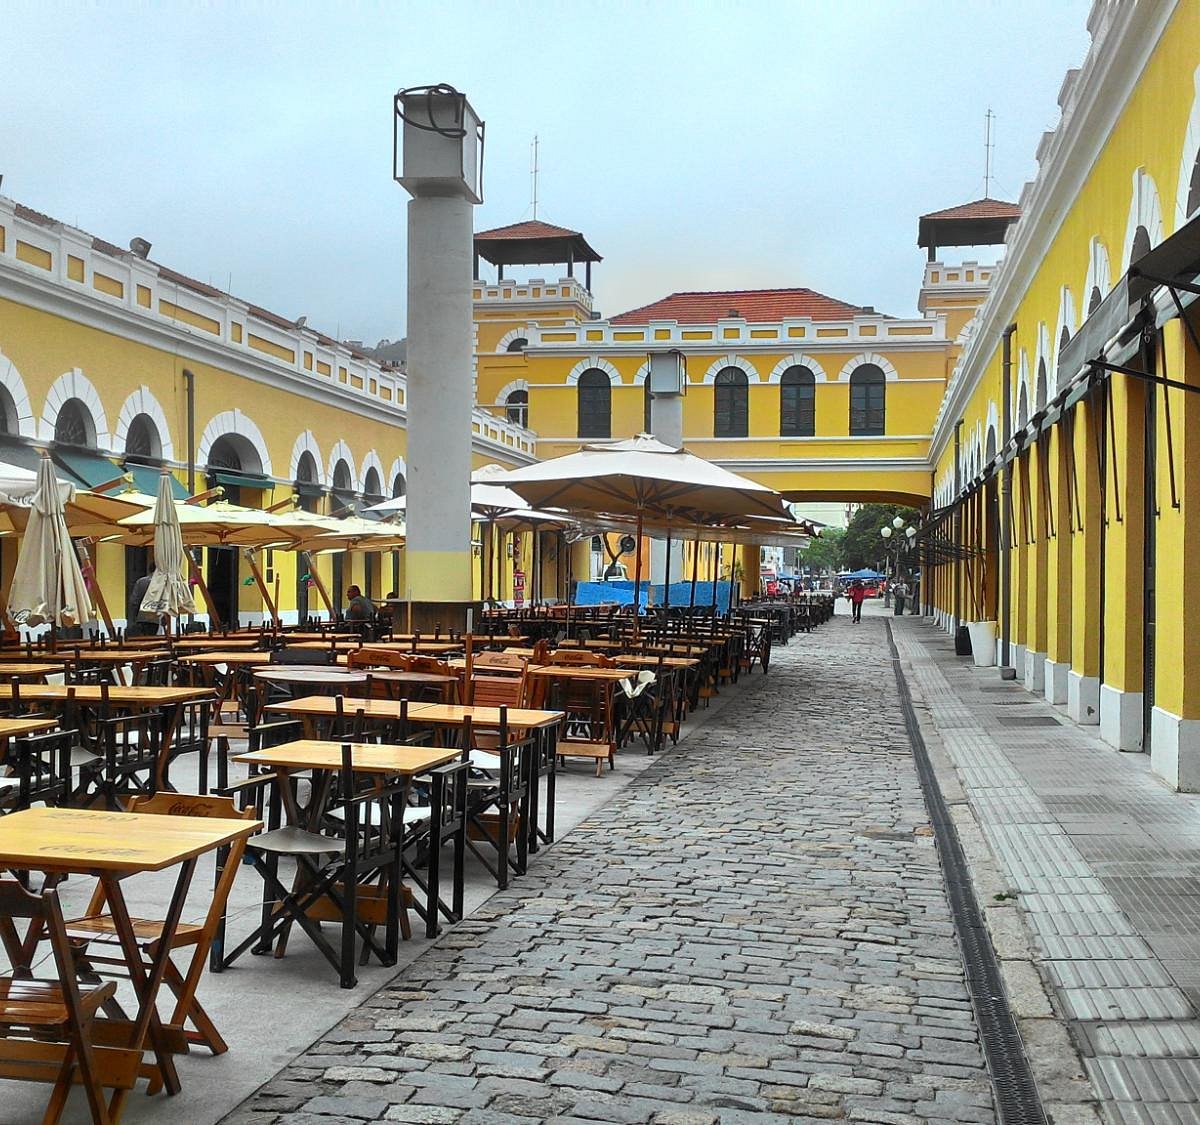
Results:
<point x="857" y="595"/>
<point x="137" y="623"/>
<point x="900" y="593"/>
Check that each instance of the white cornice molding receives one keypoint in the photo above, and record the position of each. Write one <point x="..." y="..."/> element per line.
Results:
<point x="824" y="464"/>
<point x="174" y="338"/>
<point x="1092" y="103"/>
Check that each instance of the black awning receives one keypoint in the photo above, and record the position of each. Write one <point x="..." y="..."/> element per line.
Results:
<point x="1175" y="259"/>
<point x="308" y="488"/>
<point x="1110" y="318"/>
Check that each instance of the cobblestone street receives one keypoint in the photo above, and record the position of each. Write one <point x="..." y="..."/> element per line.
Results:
<point x="754" y="930"/>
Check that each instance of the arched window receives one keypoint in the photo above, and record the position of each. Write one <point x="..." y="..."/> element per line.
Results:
<point x="1193" y="199"/>
<point x="74" y="425"/>
<point x="991" y="445"/>
<point x="308" y="483"/>
<point x="731" y="403"/>
<point x="517" y="345"/>
<point x="595" y="404"/>
<point x="868" y="401"/>
<point x="516" y="407"/>
<point x="1094" y="299"/>
<point x="797" y="403"/>
<point x="399" y="486"/>
<point x="343" y="488"/>
<point x="1039" y="397"/>
<point x="1141" y="244"/>
<point x="1022" y="408"/>
<point x="372" y="487"/>
<point x="142" y="441"/>
<point x="1064" y="338"/>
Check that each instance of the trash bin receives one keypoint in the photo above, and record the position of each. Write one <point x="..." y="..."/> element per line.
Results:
<point x="983" y="643"/>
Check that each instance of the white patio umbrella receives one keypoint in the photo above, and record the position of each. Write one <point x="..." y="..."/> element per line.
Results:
<point x="168" y="594"/>
<point x="643" y="478"/>
<point x="48" y="585"/>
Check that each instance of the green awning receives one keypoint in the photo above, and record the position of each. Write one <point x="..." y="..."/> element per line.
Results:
<point x="145" y="479"/>
<point x="1077" y="393"/>
<point x="21" y="455"/>
<point x="90" y="469"/>
<point x="240" y="480"/>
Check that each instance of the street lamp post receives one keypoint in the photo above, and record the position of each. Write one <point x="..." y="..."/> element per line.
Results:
<point x="904" y="537"/>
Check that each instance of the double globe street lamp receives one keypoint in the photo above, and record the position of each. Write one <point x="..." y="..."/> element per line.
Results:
<point x="904" y="537"/>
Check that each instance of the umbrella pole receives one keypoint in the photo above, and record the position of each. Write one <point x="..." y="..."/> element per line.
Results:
<point x="89" y="574"/>
<point x="667" y="579"/>
<point x="316" y="581"/>
<point x="214" y="618"/>
<point x="252" y="559"/>
<point x="695" y="571"/>
<point x="637" y="577"/>
<point x="570" y="568"/>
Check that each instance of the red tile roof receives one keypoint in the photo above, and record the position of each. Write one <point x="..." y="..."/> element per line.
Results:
<point x="755" y="305"/>
<point x="979" y="209"/>
<point x="534" y="228"/>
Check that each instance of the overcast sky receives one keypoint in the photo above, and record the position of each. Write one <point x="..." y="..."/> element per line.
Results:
<point x="697" y="145"/>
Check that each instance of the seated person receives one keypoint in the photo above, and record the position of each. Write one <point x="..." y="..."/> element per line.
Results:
<point x="361" y="610"/>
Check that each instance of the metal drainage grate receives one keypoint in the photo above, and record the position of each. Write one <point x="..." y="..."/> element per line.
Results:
<point x="1017" y="1098"/>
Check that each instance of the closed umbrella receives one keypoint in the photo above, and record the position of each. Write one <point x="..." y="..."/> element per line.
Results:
<point x="48" y="585"/>
<point x="168" y="594"/>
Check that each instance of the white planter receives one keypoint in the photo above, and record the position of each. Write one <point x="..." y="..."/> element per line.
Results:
<point x="983" y="643"/>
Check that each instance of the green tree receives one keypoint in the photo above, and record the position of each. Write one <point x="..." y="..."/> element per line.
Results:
<point x="862" y="545"/>
<point x="825" y="551"/>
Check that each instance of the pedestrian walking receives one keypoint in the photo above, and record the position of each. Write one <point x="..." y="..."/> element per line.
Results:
<point x="900" y="594"/>
<point x="857" y="595"/>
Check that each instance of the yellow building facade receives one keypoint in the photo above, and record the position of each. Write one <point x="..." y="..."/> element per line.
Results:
<point x="1066" y="508"/>
<point x="98" y="347"/>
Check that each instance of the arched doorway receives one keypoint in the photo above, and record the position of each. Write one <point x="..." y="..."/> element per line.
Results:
<point x="235" y="466"/>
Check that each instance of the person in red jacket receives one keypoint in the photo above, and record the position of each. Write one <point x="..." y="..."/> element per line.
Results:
<point x="857" y="595"/>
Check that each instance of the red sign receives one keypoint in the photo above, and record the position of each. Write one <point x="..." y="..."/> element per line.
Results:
<point x="518" y="587"/>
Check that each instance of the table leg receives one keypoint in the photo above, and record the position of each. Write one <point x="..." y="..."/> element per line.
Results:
<point x="171" y="715"/>
<point x="148" y="1024"/>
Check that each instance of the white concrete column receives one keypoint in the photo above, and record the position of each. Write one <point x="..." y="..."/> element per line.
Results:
<point x="440" y="398"/>
<point x="441" y="153"/>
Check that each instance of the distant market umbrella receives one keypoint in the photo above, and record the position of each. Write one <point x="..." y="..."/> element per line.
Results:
<point x="214" y="525"/>
<point x="48" y="586"/>
<point x="168" y="594"/>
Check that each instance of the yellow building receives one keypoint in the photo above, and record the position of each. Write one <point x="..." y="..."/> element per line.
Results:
<point x="98" y="349"/>
<point x="1066" y="502"/>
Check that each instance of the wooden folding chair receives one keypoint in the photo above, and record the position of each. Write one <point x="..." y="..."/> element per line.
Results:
<point x="96" y="928"/>
<point x="47" y="1025"/>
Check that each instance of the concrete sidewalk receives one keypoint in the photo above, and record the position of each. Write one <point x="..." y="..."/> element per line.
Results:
<point x="1090" y="871"/>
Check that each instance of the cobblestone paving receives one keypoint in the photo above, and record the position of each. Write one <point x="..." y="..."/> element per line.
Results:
<point x="754" y="931"/>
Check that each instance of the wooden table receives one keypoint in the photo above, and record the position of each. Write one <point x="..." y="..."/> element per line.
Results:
<point x="235" y="658"/>
<point x="403" y="762"/>
<point x="15" y="728"/>
<point x="419" y="648"/>
<point x="111" y="846"/>
<point x="29" y="670"/>
<point x="170" y="699"/>
<point x="308" y="675"/>
<point x="200" y="643"/>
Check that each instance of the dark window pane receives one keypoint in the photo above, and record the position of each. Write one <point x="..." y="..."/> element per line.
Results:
<point x="517" y="407"/>
<point x="74" y="424"/>
<point x="517" y="345"/>
<point x="731" y="403"/>
<point x="595" y="404"/>
<point x="868" y="390"/>
<point x="797" y="403"/>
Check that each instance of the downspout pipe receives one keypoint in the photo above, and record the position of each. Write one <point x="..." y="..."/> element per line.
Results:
<point x="1006" y="506"/>
<point x="958" y="529"/>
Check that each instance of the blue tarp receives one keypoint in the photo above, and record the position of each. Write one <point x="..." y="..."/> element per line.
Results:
<point x="621" y="592"/>
<point x="866" y="572"/>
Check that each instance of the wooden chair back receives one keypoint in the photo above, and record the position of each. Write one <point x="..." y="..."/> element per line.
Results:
<point x="579" y="658"/>
<point x="59" y="1010"/>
